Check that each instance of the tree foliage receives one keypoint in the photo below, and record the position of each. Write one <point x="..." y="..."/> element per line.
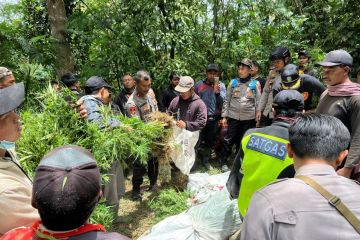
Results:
<point x="111" y="38"/>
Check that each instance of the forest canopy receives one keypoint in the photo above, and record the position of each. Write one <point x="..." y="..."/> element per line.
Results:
<point x="40" y="40"/>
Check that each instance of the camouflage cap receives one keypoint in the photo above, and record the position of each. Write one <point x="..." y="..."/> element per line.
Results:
<point x="11" y="97"/>
<point x="4" y="72"/>
<point x="246" y="62"/>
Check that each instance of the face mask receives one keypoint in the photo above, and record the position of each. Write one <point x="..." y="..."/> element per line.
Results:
<point x="7" y="145"/>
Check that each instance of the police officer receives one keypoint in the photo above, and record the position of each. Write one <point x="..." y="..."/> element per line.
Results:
<point x="294" y="208"/>
<point x="279" y="57"/>
<point x="263" y="156"/>
<point x="141" y="104"/>
<point x="308" y="85"/>
<point x="15" y="184"/>
<point x="238" y="111"/>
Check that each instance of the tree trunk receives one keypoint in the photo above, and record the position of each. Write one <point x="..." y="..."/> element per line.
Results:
<point x="161" y="6"/>
<point x="58" y="21"/>
<point x="215" y="22"/>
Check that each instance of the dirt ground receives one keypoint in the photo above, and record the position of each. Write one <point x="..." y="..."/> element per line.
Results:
<point x="135" y="217"/>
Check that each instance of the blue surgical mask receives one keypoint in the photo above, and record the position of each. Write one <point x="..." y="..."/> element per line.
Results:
<point x="7" y="145"/>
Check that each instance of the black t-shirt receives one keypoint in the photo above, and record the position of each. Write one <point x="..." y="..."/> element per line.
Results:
<point x="309" y="87"/>
<point x="121" y="99"/>
<point x="168" y="96"/>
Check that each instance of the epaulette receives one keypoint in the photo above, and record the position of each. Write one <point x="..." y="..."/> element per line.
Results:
<point x="357" y="182"/>
<point x="278" y="180"/>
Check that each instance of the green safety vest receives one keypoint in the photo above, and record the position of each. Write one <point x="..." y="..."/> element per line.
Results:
<point x="265" y="157"/>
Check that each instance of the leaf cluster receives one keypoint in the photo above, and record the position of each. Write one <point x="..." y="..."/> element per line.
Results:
<point x="55" y="123"/>
<point x="168" y="203"/>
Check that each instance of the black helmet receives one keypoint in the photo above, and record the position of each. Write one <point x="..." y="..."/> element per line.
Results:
<point x="279" y="52"/>
<point x="289" y="99"/>
<point x="303" y="53"/>
<point x="289" y="74"/>
<point x="68" y="79"/>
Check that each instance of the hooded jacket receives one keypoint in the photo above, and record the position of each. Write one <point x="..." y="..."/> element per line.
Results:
<point x="192" y="111"/>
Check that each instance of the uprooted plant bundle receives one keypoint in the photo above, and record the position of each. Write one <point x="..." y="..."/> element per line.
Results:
<point x="56" y="123"/>
<point x="162" y="150"/>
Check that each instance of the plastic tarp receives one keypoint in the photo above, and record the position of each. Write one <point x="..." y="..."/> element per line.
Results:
<point x="202" y="186"/>
<point x="216" y="219"/>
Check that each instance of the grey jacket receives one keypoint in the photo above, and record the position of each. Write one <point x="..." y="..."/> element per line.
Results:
<point x="240" y="102"/>
<point x="266" y="100"/>
<point x="93" y="106"/>
<point x="289" y="209"/>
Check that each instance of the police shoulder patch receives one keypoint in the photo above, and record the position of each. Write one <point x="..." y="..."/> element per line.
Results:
<point x="278" y="180"/>
<point x="267" y="146"/>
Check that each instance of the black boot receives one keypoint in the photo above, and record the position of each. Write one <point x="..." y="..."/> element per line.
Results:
<point x="224" y="166"/>
<point x="136" y="194"/>
<point x="205" y="159"/>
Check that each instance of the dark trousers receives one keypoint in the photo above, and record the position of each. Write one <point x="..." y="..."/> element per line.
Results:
<point x="265" y="121"/>
<point x="209" y="132"/>
<point x="236" y="130"/>
<point x="207" y="138"/>
<point x="139" y="171"/>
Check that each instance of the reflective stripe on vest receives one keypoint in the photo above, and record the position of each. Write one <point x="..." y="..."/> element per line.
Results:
<point x="265" y="156"/>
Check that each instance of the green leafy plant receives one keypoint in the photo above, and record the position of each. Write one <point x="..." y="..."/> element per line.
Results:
<point x="102" y="215"/>
<point x="56" y="123"/>
<point x="168" y="203"/>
